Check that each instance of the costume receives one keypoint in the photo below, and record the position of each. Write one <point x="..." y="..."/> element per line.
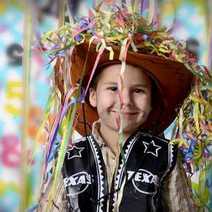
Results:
<point x="147" y="184"/>
<point x="146" y="161"/>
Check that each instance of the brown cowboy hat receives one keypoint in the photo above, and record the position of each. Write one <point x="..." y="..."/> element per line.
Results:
<point x="172" y="80"/>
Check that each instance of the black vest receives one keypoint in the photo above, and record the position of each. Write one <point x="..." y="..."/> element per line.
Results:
<point x="144" y="163"/>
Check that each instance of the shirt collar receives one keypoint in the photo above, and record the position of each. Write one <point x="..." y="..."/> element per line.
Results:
<point x="96" y="133"/>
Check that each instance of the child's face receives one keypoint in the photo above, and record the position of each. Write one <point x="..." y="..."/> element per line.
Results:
<point x="133" y="101"/>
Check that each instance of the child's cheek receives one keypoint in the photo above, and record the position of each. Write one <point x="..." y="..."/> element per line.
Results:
<point x="117" y="120"/>
<point x="108" y="97"/>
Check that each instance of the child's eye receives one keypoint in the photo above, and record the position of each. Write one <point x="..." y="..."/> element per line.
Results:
<point x="112" y="88"/>
<point x="139" y="90"/>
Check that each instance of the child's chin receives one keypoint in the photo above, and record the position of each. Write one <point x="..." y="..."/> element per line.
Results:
<point x="129" y="129"/>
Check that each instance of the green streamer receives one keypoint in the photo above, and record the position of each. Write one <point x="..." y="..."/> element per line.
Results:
<point x="68" y="131"/>
<point x="25" y="187"/>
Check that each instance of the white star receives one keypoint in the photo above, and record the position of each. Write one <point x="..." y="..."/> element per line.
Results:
<point x="151" y="148"/>
<point x="74" y="152"/>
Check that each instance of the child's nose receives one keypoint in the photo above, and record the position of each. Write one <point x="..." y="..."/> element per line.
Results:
<point x="125" y="97"/>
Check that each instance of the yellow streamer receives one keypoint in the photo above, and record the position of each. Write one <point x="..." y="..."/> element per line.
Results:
<point x="196" y="117"/>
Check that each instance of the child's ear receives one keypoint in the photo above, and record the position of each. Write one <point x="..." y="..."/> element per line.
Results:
<point x="92" y="97"/>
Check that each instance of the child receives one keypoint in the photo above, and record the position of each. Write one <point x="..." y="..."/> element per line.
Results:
<point x="125" y="164"/>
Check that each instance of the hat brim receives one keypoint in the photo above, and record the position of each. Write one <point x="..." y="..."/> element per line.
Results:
<point x="173" y="81"/>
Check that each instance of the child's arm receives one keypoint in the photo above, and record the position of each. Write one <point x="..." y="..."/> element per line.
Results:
<point x="177" y="192"/>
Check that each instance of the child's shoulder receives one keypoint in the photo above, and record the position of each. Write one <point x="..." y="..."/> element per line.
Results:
<point x="150" y="136"/>
<point x="79" y="140"/>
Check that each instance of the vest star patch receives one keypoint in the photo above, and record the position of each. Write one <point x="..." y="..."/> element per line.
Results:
<point x="74" y="152"/>
<point x="151" y="148"/>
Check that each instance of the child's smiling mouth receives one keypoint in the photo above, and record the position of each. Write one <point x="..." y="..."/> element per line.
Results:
<point x="126" y="113"/>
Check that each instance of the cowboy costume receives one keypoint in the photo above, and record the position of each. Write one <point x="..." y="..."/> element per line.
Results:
<point x="148" y="174"/>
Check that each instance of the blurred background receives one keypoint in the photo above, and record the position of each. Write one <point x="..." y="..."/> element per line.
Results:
<point x="187" y="20"/>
